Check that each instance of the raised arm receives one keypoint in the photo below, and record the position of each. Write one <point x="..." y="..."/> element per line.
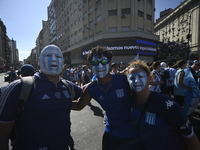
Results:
<point x="82" y="102"/>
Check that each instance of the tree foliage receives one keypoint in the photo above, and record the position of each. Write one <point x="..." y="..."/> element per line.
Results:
<point x="172" y="51"/>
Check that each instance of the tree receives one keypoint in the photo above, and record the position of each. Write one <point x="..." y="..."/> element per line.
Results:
<point x="172" y="51"/>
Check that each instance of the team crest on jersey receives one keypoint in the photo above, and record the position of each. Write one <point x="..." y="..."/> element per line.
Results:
<point x="150" y="118"/>
<point x="169" y="104"/>
<point x="119" y="93"/>
<point x="101" y="98"/>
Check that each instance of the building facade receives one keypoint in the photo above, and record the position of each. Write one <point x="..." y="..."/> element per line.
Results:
<point x="125" y="27"/>
<point x="181" y="25"/>
<point x="14" y="57"/>
<point x="5" y="51"/>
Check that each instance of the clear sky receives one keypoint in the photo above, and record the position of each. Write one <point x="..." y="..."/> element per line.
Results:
<point x="23" y="20"/>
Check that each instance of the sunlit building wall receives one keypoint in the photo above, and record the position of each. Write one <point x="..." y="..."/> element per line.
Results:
<point x="181" y="25"/>
<point x="125" y="27"/>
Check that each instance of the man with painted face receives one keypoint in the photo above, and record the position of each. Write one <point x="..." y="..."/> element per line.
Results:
<point x="44" y="122"/>
<point x="112" y="92"/>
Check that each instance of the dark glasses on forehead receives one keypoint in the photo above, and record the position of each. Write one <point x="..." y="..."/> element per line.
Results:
<point x="96" y="62"/>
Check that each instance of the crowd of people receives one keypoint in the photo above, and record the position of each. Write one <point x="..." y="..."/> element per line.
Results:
<point x="147" y="107"/>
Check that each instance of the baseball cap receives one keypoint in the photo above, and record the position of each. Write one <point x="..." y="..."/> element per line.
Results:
<point x="27" y="69"/>
<point x="163" y="65"/>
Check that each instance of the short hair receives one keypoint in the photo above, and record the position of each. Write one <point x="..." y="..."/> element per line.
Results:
<point x="170" y="64"/>
<point x="155" y="64"/>
<point x="181" y="62"/>
<point x="197" y="63"/>
<point x="99" y="50"/>
<point x="84" y="66"/>
<point x="113" y="65"/>
<point x="139" y="64"/>
<point x="27" y="70"/>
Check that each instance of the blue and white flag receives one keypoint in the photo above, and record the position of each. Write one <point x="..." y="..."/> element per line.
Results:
<point x="137" y="57"/>
<point x="192" y="97"/>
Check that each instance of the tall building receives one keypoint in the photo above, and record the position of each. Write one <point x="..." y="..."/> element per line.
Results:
<point x="181" y="25"/>
<point x="5" y="51"/>
<point x="14" y="57"/>
<point x="125" y="27"/>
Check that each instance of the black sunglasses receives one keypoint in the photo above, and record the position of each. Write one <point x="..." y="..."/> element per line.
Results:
<point x="96" y="62"/>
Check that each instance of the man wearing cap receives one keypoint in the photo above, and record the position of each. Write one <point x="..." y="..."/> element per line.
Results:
<point x="27" y="70"/>
<point x="44" y="122"/>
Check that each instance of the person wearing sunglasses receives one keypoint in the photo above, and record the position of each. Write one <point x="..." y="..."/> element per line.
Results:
<point x="113" y="93"/>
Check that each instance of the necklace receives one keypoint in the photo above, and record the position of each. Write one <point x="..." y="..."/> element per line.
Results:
<point x="108" y="87"/>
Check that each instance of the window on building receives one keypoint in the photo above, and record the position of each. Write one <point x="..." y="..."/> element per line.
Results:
<point x="126" y="28"/>
<point x="98" y="3"/>
<point x="112" y="29"/>
<point x="91" y="23"/>
<point x="149" y="17"/>
<point x="91" y="9"/>
<point x="80" y="18"/>
<point x="98" y="32"/>
<point x="98" y="18"/>
<point x="149" y="2"/>
<point x="148" y="31"/>
<point x="126" y="11"/>
<point x="84" y="14"/>
<point x="140" y="29"/>
<point x="140" y="14"/>
<point x="112" y="12"/>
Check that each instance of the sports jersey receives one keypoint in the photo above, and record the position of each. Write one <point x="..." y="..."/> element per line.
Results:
<point x="178" y="89"/>
<point x="86" y="77"/>
<point x="117" y="105"/>
<point x="172" y="72"/>
<point x="67" y="75"/>
<point x="44" y="123"/>
<point x="156" y="88"/>
<point x="163" y="124"/>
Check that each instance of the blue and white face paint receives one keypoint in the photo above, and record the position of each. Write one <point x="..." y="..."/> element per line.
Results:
<point x="137" y="81"/>
<point x="51" y="60"/>
<point x="100" y="66"/>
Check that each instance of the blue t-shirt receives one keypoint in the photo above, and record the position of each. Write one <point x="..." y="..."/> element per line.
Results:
<point x="178" y="89"/>
<point x="117" y="105"/>
<point x="67" y="75"/>
<point x="45" y="120"/>
<point x="163" y="125"/>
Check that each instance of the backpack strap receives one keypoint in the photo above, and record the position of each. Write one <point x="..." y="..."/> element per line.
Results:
<point x="25" y="92"/>
<point x="70" y="88"/>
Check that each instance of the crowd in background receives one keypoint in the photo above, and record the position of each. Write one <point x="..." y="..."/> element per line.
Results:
<point x="138" y="100"/>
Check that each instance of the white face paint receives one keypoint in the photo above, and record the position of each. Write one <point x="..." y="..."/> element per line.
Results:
<point x="137" y="81"/>
<point x="100" y="66"/>
<point x="51" y="60"/>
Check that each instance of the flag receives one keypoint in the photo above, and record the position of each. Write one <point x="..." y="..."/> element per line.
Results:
<point x="136" y="57"/>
